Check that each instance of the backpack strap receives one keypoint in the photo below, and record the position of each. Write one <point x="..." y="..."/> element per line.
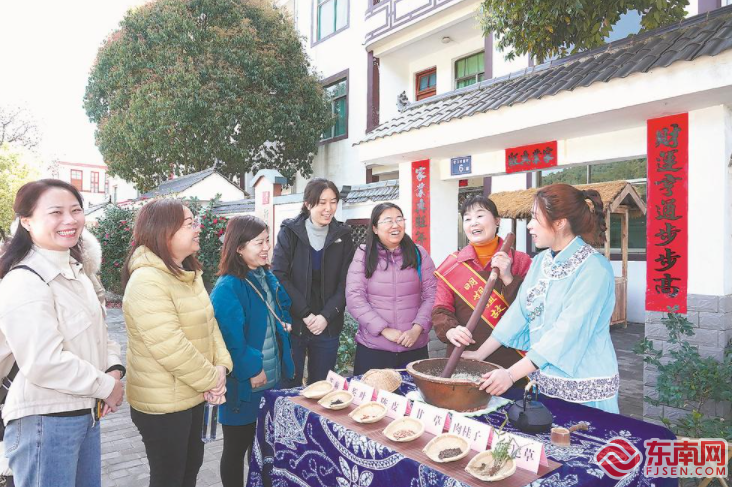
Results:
<point x="31" y="270"/>
<point x="419" y="262"/>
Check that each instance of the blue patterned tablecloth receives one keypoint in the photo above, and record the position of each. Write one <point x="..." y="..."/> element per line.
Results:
<point x="297" y="447"/>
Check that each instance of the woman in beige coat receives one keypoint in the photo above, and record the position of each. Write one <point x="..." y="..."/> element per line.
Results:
<point x="52" y="326"/>
<point x="176" y="356"/>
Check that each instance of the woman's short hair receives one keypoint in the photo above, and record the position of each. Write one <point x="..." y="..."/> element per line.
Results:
<point x="313" y="190"/>
<point x="239" y="231"/>
<point x="154" y="227"/>
<point x="479" y="201"/>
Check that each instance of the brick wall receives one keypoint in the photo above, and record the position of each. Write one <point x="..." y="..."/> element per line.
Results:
<point x="712" y="320"/>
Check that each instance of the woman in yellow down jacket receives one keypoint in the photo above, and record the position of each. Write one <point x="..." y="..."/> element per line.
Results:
<point x="176" y="356"/>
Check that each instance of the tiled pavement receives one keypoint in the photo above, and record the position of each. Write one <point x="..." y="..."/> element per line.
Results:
<point x="123" y="454"/>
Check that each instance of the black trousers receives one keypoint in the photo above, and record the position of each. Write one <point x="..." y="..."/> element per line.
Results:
<point x="369" y="358"/>
<point x="238" y="440"/>
<point x="173" y="445"/>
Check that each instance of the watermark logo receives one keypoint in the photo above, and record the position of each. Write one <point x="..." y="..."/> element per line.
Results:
<point x="618" y="458"/>
<point x="705" y="457"/>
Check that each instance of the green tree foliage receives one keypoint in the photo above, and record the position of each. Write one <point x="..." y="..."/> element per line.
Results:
<point x="114" y="232"/>
<point x="549" y="28"/>
<point x="186" y="84"/>
<point x="686" y="380"/>
<point x="213" y="227"/>
<point x="13" y="174"/>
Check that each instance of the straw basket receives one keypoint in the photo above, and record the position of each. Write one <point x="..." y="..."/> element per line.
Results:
<point x="385" y="379"/>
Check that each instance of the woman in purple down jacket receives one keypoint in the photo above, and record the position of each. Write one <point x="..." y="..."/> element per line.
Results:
<point x="390" y="291"/>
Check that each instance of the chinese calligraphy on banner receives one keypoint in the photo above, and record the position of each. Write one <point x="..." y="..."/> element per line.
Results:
<point x="668" y="204"/>
<point x="421" y="203"/>
<point x="531" y="157"/>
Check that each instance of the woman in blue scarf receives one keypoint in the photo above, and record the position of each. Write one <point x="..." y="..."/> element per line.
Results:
<point x="252" y="309"/>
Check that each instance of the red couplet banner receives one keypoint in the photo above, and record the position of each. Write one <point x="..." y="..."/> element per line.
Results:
<point x="421" y="203"/>
<point x="531" y="157"/>
<point x="667" y="237"/>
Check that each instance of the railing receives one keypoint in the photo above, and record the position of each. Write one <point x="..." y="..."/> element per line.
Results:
<point x="385" y="16"/>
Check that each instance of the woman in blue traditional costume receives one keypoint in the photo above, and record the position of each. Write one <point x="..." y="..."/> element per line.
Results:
<point x="562" y="313"/>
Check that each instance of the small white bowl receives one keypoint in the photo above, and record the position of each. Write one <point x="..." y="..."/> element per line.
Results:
<point x="443" y="442"/>
<point x="404" y="424"/>
<point x="368" y="412"/>
<point x="345" y="397"/>
<point x="486" y="459"/>
<point x="317" y="390"/>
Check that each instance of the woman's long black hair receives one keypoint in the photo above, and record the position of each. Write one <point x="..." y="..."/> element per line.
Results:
<point x="17" y="247"/>
<point x="409" y="248"/>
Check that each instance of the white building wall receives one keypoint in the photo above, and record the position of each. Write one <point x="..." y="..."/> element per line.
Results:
<point x="121" y="190"/>
<point x="90" y="199"/>
<point x="338" y="161"/>
<point x="710" y="196"/>
<point x="208" y="188"/>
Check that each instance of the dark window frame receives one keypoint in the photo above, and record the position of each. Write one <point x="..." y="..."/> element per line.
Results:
<point x="424" y="94"/>
<point x="80" y="178"/>
<point x="343" y="75"/>
<point x="477" y="75"/>
<point x="92" y="183"/>
<point x="315" y="22"/>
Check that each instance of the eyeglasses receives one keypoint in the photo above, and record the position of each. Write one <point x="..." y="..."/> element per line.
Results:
<point x="195" y="223"/>
<point x="389" y="221"/>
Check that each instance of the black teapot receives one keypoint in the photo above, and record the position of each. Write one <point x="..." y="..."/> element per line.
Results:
<point x="529" y="415"/>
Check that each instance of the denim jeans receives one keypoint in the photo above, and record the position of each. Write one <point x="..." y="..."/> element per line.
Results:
<point x="322" y="352"/>
<point x="55" y="451"/>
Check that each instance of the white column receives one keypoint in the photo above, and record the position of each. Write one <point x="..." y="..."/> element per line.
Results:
<point x="710" y="201"/>
<point x="444" y="214"/>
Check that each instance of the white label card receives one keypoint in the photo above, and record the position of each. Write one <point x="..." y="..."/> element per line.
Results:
<point x="475" y="432"/>
<point x="531" y="453"/>
<point x="361" y="392"/>
<point x="339" y="382"/>
<point x="432" y="417"/>
<point x="396" y="405"/>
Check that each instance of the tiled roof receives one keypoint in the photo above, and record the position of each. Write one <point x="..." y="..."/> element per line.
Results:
<point x="381" y="191"/>
<point x="231" y="207"/>
<point x="702" y="35"/>
<point x="176" y="185"/>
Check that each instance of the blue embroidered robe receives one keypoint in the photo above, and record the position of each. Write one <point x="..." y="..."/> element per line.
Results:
<point x="562" y="318"/>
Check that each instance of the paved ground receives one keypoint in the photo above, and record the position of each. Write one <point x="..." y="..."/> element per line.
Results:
<point x="123" y="454"/>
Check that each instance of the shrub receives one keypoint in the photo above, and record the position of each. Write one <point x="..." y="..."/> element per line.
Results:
<point x="347" y="346"/>
<point x="114" y="232"/>
<point x="686" y="380"/>
<point x="212" y="228"/>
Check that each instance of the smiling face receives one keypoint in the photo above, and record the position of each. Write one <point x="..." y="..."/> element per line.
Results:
<point x="185" y="241"/>
<point x="256" y="252"/>
<point x="542" y="232"/>
<point x="322" y="213"/>
<point x="480" y="225"/>
<point x="390" y="228"/>
<point x="57" y="220"/>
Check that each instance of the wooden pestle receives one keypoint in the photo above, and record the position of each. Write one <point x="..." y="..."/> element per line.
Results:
<point x="478" y="311"/>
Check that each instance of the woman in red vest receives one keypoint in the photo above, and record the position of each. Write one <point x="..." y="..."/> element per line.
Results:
<point x="463" y="274"/>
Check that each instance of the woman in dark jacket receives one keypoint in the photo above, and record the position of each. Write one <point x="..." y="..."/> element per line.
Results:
<point x="311" y="260"/>
<point x="252" y="310"/>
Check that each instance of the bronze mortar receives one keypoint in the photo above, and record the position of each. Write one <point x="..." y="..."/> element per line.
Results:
<point x="449" y="393"/>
